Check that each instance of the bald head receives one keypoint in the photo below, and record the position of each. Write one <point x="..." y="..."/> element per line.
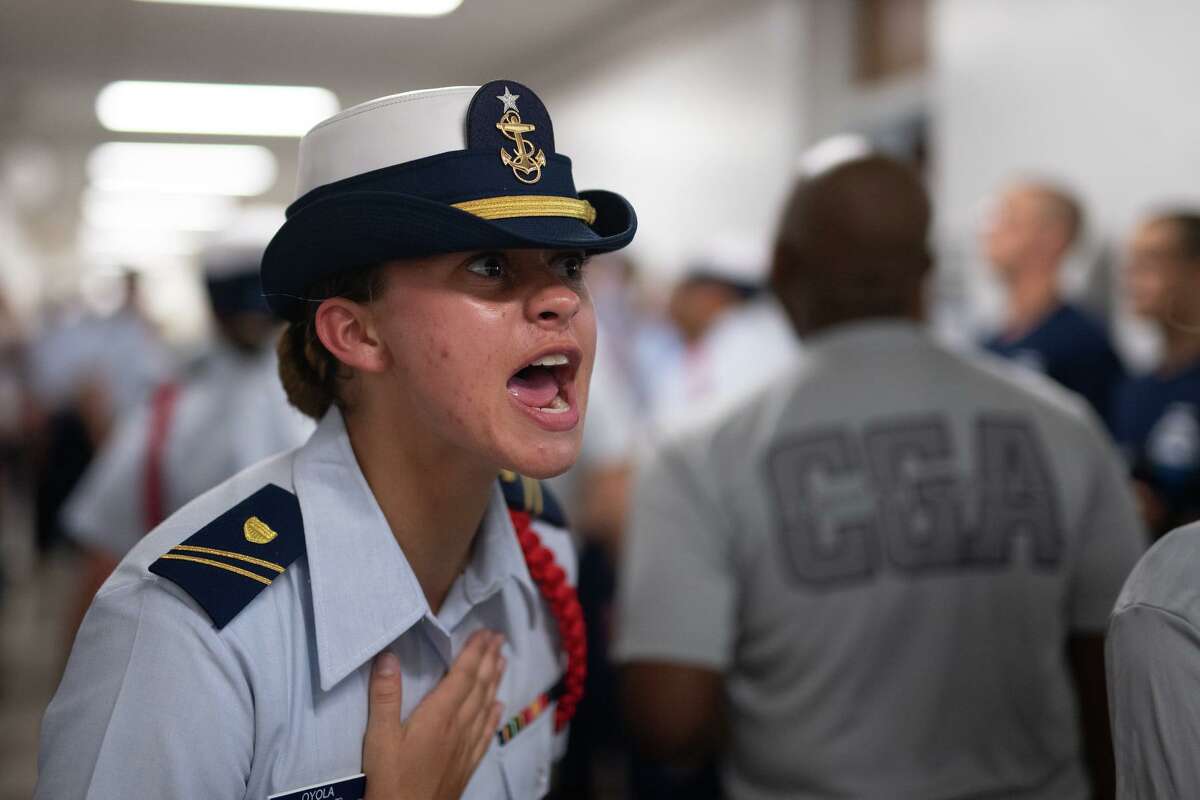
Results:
<point x="852" y="244"/>
<point x="1033" y="226"/>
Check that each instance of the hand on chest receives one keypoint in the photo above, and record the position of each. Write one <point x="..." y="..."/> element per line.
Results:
<point x="519" y="758"/>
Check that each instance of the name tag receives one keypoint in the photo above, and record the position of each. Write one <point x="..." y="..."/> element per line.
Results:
<point x="351" y="788"/>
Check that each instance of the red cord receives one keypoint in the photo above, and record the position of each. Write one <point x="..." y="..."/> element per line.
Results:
<point x="564" y="605"/>
<point x="154" y="501"/>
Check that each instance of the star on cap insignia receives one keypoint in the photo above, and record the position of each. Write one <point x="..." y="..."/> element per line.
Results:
<point x="509" y="99"/>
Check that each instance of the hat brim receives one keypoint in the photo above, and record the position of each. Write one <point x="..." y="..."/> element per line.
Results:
<point x="352" y="230"/>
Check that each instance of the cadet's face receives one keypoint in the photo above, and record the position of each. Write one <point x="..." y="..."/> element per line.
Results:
<point x="1158" y="282"/>
<point x="465" y="330"/>
<point x="1008" y="231"/>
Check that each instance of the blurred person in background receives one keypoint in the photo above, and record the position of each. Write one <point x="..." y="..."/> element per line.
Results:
<point x="1153" y="644"/>
<point x="634" y="342"/>
<point x="14" y="439"/>
<point x="638" y="334"/>
<point x="1027" y="242"/>
<point x="736" y="339"/>
<point x="1156" y="416"/>
<point x="595" y="491"/>
<point x="888" y="573"/>
<point x="226" y="412"/>
<point x="86" y="372"/>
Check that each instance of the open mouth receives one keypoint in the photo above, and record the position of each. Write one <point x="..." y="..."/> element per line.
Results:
<point x="543" y="384"/>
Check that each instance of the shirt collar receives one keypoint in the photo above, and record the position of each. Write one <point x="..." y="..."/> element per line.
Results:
<point x="365" y="595"/>
<point x="882" y="334"/>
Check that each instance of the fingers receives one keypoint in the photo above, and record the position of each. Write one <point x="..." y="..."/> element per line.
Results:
<point x="487" y="675"/>
<point x="484" y="685"/>
<point x="491" y="724"/>
<point x="384" y="729"/>
<point x="465" y="700"/>
<point x="484" y="715"/>
<point x="487" y="706"/>
<point x="384" y="694"/>
<point x="465" y="673"/>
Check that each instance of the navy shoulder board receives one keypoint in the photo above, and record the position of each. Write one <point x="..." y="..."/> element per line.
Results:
<point x="225" y="564"/>
<point x="531" y="496"/>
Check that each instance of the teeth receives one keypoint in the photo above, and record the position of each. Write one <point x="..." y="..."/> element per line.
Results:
<point x="557" y="406"/>
<point x="556" y="360"/>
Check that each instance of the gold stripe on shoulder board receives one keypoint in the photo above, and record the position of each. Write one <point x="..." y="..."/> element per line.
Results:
<point x="212" y="551"/>
<point x="228" y="567"/>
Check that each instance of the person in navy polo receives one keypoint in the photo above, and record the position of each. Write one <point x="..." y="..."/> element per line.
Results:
<point x="1033" y="229"/>
<point x="1156" y="416"/>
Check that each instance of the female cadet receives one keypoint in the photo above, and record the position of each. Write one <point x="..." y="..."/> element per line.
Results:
<point x="431" y="270"/>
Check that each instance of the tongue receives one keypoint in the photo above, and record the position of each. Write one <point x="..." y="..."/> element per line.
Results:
<point x="534" y="387"/>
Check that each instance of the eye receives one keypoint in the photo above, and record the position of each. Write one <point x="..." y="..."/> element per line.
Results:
<point x="570" y="266"/>
<point x="489" y="265"/>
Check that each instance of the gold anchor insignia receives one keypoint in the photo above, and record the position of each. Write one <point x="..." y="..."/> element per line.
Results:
<point x="525" y="162"/>
<point x="257" y="532"/>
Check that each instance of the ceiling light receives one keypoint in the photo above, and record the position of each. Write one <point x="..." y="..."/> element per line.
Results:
<point x="399" y="8"/>
<point x="227" y="109"/>
<point x="120" y="245"/>
<point x="153" y="211"/>
<point x="235" y="169"/>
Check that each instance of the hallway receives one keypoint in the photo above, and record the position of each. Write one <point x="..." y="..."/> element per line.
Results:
<point x="32" y="604"/>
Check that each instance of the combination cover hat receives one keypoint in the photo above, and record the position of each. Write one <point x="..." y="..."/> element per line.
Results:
<point x="428" y="172"/>
<point x="231" y="259"/>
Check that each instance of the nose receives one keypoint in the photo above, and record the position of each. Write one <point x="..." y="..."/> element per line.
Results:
<point x="553" y="306"/>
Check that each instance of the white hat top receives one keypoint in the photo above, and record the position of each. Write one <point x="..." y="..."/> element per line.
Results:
<point x="734" y="257"/>
<point x="384" y="132"/>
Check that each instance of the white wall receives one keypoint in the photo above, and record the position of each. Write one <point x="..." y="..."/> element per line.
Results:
<point x="1101" y="95"/>
<point x="696" y="115"/>
<point x="838" y="102"/>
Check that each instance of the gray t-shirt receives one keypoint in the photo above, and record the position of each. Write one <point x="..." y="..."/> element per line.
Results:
<point x="1153" y="651"/>
<point x="884" y="554"/>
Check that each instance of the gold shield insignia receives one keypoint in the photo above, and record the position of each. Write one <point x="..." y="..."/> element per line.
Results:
<point x="257" y="532"/>
<point x="526" y="159"/>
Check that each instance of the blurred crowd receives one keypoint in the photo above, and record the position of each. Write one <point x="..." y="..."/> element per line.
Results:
<point x="105" y="429"/>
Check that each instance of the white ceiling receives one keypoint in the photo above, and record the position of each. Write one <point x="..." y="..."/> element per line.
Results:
<point x="55" y="55"/>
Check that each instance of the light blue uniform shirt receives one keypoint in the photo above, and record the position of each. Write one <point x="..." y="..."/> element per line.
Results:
<point x="157" y="702"/>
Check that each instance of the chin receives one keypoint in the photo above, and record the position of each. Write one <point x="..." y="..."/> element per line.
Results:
<point x="543" y="457"/>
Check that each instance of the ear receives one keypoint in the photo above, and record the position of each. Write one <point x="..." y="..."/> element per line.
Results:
<point x="347" y="329"/>
<point x="786" y="280"/>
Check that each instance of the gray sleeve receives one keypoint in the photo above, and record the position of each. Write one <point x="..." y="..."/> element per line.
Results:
<point x="106" y="510"/>
<point x="677" y="589"/>
<point x="1153" y="665"/>
<point x="1112" y="538"/>
<point x="152" y="704"/>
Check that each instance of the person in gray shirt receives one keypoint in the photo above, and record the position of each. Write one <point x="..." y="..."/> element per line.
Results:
<point x="1153" y="654"/>
<point x="886" y="575"/>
